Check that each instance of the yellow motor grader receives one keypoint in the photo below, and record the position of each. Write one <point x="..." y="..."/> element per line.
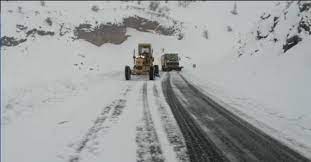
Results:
<point x="143" y="63"/>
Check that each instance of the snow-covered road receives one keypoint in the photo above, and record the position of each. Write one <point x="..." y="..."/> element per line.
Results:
<point x="104" y="119"/>
<point x="213" y="133"/>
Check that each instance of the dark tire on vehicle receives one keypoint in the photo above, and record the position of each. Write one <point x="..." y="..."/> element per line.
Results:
<point x="127" y="73"/>
<point x="163" y="68"/>
<point x="156" y="70"/>
<point x="151" y="73"/>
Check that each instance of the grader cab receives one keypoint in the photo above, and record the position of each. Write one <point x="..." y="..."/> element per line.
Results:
<point x="143" y="63"/>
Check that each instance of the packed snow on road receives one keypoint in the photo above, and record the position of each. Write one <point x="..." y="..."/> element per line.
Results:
<point x="241" y="92"/>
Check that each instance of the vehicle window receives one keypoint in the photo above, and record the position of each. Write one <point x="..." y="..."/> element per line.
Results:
<point x="145" y="50"/>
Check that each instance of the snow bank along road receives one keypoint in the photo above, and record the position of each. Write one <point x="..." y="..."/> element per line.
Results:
<point x="212" y="133"/>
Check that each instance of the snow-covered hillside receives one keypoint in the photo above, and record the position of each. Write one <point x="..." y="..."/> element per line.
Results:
<point x="264" y="79"/>
<point x="60" y="55"/>
<point x="56" y="53"/>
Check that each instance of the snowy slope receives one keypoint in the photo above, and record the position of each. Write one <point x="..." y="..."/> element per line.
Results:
<point x="45" y="76"/>
<point x="263" y="81"/>
<point x="52" y="58"/>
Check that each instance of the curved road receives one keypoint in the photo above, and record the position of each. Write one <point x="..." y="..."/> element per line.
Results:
<point x="212" y="133"/>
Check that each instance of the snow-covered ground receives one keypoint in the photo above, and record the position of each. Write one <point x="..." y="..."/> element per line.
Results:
<point x="75" y="106"/>
<point x="54" y="88"/>
<point x="265" y="83"/>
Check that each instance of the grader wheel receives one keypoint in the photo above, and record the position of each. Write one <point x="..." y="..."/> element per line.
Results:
<point x="156" y="70"/>
<point x="127" y="73"/>
<point x="151" y="73"/>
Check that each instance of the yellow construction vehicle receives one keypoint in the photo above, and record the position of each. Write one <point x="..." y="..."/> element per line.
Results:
<point x="143" y="63"/>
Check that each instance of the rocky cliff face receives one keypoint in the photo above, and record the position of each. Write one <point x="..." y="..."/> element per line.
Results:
<point x="285" y="27"/>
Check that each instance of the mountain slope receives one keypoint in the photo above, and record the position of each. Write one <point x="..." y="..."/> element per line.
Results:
<point x="266" y="75"/>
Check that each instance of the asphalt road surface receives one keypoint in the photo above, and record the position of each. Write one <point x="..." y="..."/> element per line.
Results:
<point x="212" y="133"/>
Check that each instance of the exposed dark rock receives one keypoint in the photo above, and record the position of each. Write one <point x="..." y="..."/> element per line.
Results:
<point x="42" y="3"/>
<point x="259" y="36"/>
<point x="183" y="4"/>
<point x="11" y="41"/>
<point x="42" y="33"/>
<point x="275" y="39"/>
<point x="19" y="9"/>
<point x="21" y="27"/>
<point x="234" y="11"/>
<point x="95" y="8"/>
<point x="264" y="16"/>
<point x="109" y="33"/>
<point x="49" y="21"/>
<point x="229" y="28"/>
<point x="116" y="33"/>
<point x="305" y="6"/>
<point x="291" y="42"/>
<point x="205" y="34"/>
<point x="180" y="36"/>
<point x="140" y="24"/>
<point x="85" y="26"/>
<point x="275" y="22"/>
<point x="304" y="24"/>
<point x="145" y="25"/>
<point x="154" y="6"/>
<point x="39" y="32"/>
<point x="63" y="30"/>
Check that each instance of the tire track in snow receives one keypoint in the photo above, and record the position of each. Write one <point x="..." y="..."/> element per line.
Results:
<point x="146" y="138"/>
<point x="171" y="129"/>
<point x="200" y="148"/>
<point x="218" y="133"/>
<point x="89" y="141"/>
